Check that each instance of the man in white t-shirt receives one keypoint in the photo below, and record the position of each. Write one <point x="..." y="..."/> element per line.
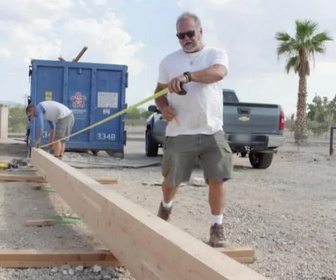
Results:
<point x="194" y="111"/>
<point x="61" y="121"/>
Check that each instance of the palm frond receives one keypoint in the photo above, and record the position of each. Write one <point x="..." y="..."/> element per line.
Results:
<point x="322" y="37"/>
<point x="292" y="63"/>
<point x="284" y="48"/>
<point x="305" y="29"/>
<point x="282" y="36"/>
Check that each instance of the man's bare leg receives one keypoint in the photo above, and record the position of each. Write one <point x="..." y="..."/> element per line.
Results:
<point x="217" y="195"/>
<point x="62" y="148"/>
<point x="168" y="192"/>
<point x="57" y="149"/>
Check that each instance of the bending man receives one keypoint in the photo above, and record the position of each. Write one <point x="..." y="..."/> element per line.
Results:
<point x="60" y="118"/>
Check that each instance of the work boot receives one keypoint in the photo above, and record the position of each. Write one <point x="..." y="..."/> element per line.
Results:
<point x="164" y="213"/>
<point x="217" y="238"/>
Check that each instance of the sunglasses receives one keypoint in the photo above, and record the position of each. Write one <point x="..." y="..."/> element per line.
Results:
<point x="190" y="34"/>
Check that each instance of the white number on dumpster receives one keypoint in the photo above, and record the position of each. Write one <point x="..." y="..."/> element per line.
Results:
<point x="46" y="134"/>
<point x="106" y="136"/>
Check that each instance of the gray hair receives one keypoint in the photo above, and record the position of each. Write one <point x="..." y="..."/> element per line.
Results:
<point x="187" y="15"/>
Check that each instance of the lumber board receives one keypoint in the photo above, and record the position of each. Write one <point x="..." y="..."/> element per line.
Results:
<point x="237" y="251"/>
<point x="42" y="179"/>
<point x="106" y="180"/>
<point x="29" y="258"/>
<point x="240" y="254"/>
<point x="244" y="260"/>
<point x="21" y="178"/>
<point x="147" y="246"/>
<point x="78" y="57"/>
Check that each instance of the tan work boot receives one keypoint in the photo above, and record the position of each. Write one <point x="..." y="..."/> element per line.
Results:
<point x="217" y="238"/>
<point x="164" y="213"/>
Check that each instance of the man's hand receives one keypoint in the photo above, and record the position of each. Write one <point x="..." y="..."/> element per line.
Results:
<point x="175" y="85"/>
<point x="37" y="143"/>
<point x="168" y="113"/>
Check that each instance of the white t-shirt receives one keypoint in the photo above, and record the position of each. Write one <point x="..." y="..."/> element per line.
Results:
<point x="200" y="111"/>
<point x="54" y="110"/>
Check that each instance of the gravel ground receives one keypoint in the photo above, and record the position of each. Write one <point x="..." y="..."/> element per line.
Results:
<point x="286" y="213"/>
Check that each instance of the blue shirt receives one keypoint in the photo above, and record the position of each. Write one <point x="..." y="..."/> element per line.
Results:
<point x="40" y="111"/>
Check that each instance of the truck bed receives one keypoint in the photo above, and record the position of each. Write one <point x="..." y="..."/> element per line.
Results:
<point x="253" y="126"/>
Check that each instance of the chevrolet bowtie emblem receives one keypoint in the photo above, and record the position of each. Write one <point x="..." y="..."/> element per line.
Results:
<point x="244" y="119"/>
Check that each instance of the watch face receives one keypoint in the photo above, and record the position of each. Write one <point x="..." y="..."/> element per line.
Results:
<point x="187" y="74"/>
<point x="184" y="89"/>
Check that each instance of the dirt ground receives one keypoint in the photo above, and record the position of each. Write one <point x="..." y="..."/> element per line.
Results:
<point x="286" y="212"/>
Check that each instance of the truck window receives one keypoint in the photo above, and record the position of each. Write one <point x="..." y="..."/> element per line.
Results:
<point x="229" y="96"/>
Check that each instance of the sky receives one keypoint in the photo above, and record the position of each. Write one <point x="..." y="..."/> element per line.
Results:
<point x="139" y="33"/>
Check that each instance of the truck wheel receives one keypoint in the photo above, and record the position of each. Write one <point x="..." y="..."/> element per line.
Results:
<point x="261" y="160"/>
<point x="151" y="147"/>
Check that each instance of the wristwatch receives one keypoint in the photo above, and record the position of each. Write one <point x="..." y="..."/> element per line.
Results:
<point x="187" y="75"/>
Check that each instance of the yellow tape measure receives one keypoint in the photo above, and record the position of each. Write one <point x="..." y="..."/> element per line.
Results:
<point x="156" y="95"/>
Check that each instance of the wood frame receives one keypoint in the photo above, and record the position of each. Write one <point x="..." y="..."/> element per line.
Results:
<point x="41" y="179"/>
<point x="147" y="246"/>
<point x="27" y="258"/>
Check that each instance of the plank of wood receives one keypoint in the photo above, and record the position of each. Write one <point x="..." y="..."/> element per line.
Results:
<point x="77" y="58"/>
<point x="134" y="235"/>
<point x="29" y="258"/>
<point x="41" y="179"/>
<point x="240" y="254"/>
<point x="237" y="252"/>
<point x="106" y="180"/>
<point x="245" y="260"/>
<point x="21" y="178"/>
<point x="39" y="223"/>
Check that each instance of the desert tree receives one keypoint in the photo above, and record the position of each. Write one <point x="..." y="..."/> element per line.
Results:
<point x="300" y="50"/>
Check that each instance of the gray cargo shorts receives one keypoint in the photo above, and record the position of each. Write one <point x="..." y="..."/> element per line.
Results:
<point x="181" y="153"/>
<point x="64" y="127"/>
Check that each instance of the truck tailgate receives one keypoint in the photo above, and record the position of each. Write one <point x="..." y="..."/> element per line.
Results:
<point x="249" y="118"/>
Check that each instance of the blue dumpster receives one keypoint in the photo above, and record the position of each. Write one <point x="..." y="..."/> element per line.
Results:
<point x="93" y="92"/>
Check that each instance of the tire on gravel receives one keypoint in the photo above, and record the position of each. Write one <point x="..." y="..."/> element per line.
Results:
<point x="260" y="160"/>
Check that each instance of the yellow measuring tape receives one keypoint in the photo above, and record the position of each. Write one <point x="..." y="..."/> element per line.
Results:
<point x="156" y="95"/>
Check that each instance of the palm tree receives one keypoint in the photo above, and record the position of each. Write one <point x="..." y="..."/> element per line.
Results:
<point x="300" y="50"/>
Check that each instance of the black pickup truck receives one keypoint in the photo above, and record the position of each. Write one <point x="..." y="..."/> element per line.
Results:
<point x="252" y="129"/>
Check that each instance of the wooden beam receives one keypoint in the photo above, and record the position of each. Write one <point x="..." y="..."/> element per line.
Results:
<point x="78" y="57"/>
<point x="242" y="254"/>
<point x="106" y="180"/>
<point x="42" y="179"/>
<point x="21" y="178"/>
<point x="237" y="252"/>
<point x="28" y="258"/>
<point x="147" y="246"/>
